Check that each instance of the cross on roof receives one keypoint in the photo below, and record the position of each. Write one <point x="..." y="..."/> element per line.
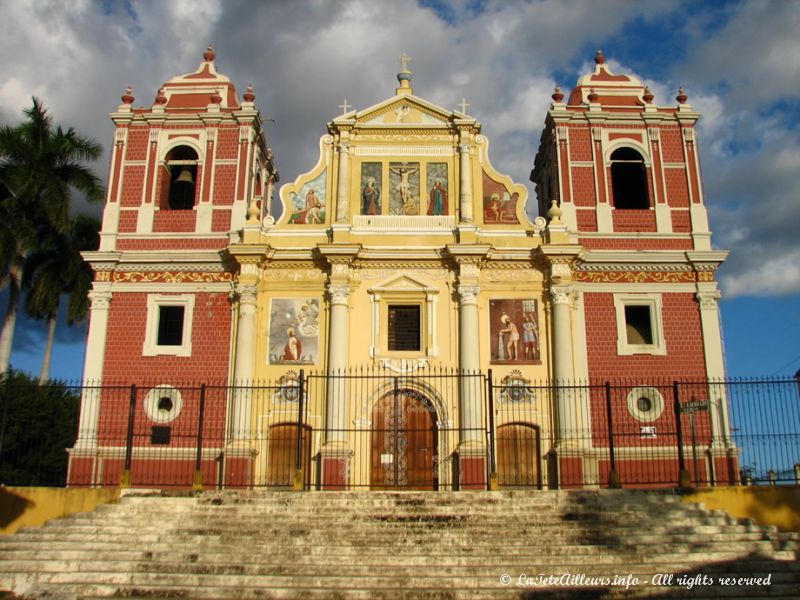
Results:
<point x="404" y="60"/>
<point x="464" y="104"/>
<point x="344" y="106"/>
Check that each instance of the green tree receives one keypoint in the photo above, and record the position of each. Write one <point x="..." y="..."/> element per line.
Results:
<point x="39" y="167"/>
<point x="56" y="268"/>
<point x="37" y="424"/>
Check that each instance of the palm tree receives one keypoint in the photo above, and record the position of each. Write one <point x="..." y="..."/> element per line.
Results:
<point x="55" y="268"/>
<point x="39" y="166"/>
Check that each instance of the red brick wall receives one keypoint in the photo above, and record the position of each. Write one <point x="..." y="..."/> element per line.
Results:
<point x="637" y="244"/>
<point x="127" y="221"/>
<point x="174" y="220"/>
<point x="671" y="145"/>
<point x="224" y="185"/>
<point x="681" y="222"/>
<point x="221" y="220"/>
<point x="228" y="143"/>
<point x="634" y="220"/>
<point x="682" y="333"/>
<point x="677" y="187"/>
<point x="583" y="186"/>
<point x="125" y="340"/>
<point x="587" y="220"/>
<point x="132" y="183"/>
<point x="173" y="244"/>
<point x="580" y="143"/>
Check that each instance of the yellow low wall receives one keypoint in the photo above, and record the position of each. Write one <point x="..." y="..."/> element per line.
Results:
<point x="775" y="505"/>
<point x="33" y="506"/>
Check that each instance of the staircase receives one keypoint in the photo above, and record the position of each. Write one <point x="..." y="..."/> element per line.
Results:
<point x="551" y="544"/>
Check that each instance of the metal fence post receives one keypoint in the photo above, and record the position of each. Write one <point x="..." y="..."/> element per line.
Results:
<point x="299" y="483"/>
<point x="613" y="474"/>
<point x="125" y="478"/>
<point x="494" y="483"/>
<point x="684" y="480"/>
<point x="197" y="481"/>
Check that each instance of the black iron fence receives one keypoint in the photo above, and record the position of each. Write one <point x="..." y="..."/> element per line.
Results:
<point x="408" y="428"/>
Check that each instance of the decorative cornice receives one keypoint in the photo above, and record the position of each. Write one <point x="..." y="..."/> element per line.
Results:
<point x="168" y="276"/>
<point x="663" y="276"/>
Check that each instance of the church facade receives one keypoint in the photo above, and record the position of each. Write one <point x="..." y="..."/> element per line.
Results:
<point x="400" y="286"/>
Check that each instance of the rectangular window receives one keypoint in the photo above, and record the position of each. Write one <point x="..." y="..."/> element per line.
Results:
<point x="638" y="324"/>
<point x="640" y="329"/>
<point x="404" y="327"/>
<point x="170" y="325"/>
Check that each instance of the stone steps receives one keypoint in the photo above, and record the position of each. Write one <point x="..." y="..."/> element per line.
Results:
<point x="391" y="545"/>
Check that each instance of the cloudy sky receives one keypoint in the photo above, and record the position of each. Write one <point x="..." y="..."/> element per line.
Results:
<point x="739" y="62"/>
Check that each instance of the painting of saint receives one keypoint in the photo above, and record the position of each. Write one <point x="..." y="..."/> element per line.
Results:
<point x="514" y="331"/>
<point x="499" y="206"/>
<point x="437" y="189"/>
<point x="371" y="188"/>
<point x="293" y="331"/>
<point x="308" y="204"/>
<point x="404" y="188"/>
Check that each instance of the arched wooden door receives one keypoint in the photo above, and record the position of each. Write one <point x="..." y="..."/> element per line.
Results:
<point x="518" y="456"/>
<point x="283" y="455"/>
<point x="404" y="443"/>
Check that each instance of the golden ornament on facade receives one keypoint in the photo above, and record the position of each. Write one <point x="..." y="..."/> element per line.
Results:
<point x="635" y="276"/>
<point x="171" y="277"/>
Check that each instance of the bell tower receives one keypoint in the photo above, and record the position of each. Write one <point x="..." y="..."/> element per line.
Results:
<point x="624" y="170"/>
<point x="186" y="171"/>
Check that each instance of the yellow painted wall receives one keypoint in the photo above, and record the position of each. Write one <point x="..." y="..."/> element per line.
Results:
<point x="778" y="506"/>
<point x="33" y="506"/>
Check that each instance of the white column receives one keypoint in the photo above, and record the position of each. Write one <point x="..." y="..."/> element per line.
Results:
<point x="100" y="300"/>
<point x="243" y="369"/>
<point x="343" y="188"/>
<point x="469" y="359"/>
<point x="338" y="334"/>
<point x="563" y="371"/>
<point x="715" y="365"/>
<point x="465" y="184"/>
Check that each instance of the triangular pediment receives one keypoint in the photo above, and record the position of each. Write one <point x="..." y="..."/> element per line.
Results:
<point x="401" y="110"/>
<point x="403" y="283"/>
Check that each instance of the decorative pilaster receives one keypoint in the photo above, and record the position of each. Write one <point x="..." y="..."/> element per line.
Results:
<point x="343" y="188"/>
<point x="243" y="369"/>
<point x="465" y="181"/>
<point x="335" y="453"/>
<point x="472" y="454"/>
<point x="707" y="300"/>
<point x="572" y="406"/>
<point x="100" y="300"/>
<point x="469" y="359"/>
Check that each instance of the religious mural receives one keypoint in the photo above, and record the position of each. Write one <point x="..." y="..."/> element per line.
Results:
<point x="437" y="189"/>
<point x="514" y="331"/>
<point x="404" y="188"/>
<point x="371" y="177"/>
<point x="308" y="204"/>
<point x="293" y="331"/>
<point x="499" y="206"/>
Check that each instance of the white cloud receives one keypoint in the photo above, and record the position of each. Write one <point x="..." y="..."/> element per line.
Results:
<point x="304" y="57"/>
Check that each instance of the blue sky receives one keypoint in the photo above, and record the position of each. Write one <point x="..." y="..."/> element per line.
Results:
<point x="739" y="62"/>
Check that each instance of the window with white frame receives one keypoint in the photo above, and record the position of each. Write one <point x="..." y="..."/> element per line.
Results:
<point x="404" y="328"/>
<point x="169" y="325"/>
<point x="403" y="319"/>
<point x="639" y="326"/>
